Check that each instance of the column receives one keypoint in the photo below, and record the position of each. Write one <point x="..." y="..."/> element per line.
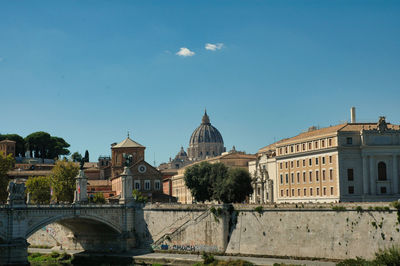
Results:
<point x="81" y="195"/>
<point x="372" y="175"/>
<point x="126" y="196"/>
<point x="365" y="175"/>
<point x="395" y="181"/>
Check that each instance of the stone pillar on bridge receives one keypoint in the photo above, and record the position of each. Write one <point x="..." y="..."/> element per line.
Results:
<point x="126" y="196"/>
<point x="14" y="248"/>
<point x="81" y="195"/>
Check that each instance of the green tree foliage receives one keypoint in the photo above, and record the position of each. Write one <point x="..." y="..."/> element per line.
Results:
<point x="6" y="164"/>
<point x="97" y="198"/>
<point x="138" y="196"/>
<point x="236" y="187"/>
<point x="19" y="143"/>
<point x="198" y="180"/>
<point x="76" y="157"/>
<point x="63" y="180"/>
<point x="217" y="182"/>
<point x="46" y="146"/>
<point x="39" y="189"/>
<point x="86" y="156"/>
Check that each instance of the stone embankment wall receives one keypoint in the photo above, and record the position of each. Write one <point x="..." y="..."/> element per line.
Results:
<point x="54" y="235"/>
<point x="321" y="233"/>
<point x="181" y="228"/>
<point x="285" y="230"/>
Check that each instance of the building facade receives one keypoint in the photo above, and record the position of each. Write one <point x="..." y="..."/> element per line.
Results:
<point x="7" y="147"/>
<point x="346" y="162"/>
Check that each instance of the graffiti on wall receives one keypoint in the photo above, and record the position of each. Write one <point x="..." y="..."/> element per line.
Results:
<point x="188" y="248"/>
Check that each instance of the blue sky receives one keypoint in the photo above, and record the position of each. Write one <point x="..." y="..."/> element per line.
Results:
<point x="89" y="71"/>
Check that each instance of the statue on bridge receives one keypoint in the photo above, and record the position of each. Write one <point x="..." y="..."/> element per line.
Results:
<point x="16" y="193"/>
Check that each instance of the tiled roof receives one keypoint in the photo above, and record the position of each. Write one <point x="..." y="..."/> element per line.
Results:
<point x="366" y="126"/>
<point x="127" y="143"/>
<point x="314" y="133"/>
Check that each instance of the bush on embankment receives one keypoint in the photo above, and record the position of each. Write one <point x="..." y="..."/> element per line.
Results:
<point x="390" y="257"/>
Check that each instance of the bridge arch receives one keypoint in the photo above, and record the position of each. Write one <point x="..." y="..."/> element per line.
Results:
<point x="60" y="218"/>
<point x="90" y="233"/>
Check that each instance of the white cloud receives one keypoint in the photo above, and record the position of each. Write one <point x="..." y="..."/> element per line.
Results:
<point x="185" y="52"/>
<point x="214" y="47"/>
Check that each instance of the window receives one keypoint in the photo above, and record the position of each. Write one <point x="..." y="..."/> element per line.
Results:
<point x="292" y="192"/>
<point x="157" y="185"/>
<point x="329" y="142"/>
<point x="280" y="150"/>
<point x="317" y="176"/>
<point x="316" y="161"/>
<point x="137" y="184"/>
<point x="305" y="192"/>
<point x="280" y="165"/>
<point x="310" y="162"/>
<point x="298" y="192"/>
<point x="304" y="146"/>
<point x="291" y="148"/>
<point x="309" y="145"/>
<point x="323" y="143"/>
<point x="147" y="184"/>
<point x="286" y="165"/>
<point x="298" y="177"/>
<point x="349" y="141"/>
<point x="304" y="163"/>
<point x="287" y="178"/>
<point x="258" y="191"/>
<point x="281" y="192"/>
<point x="330" y="159"/>
<point x="324" y="189"/>
<point x="323" y="160"/>
<point x="304" y="177"/>
<point x="316" y="144"/>
<point x="297" y="163"/>
<point x="281" y="179"/>
<point x="382" y="171"/>
<point x="331" y="174"/>
<point x="383" y="190"/>
<point x="331" y="190"/>
<point x="287" y="192"/>
<point x="291" y="164"/>
<point x="297" y="147"/>
<point x="310" y="175"/>
<point x="292" y="178"/>
<point x="350" y="174"/>
<point x="317" y="191"/>
<point x="351" y="190"/>
<point x="323" y="175"/>
<point x="286" y="150"/>
<point x="310" y="191"/>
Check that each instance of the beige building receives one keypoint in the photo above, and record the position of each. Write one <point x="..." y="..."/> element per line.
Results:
<point x="346" y="162"/>
<point x="232" y="158"/>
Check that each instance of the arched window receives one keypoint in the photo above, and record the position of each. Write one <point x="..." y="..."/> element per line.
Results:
<point x="382" y="171"/>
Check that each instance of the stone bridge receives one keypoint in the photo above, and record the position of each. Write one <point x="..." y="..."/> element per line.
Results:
<point x="96" y="227"/>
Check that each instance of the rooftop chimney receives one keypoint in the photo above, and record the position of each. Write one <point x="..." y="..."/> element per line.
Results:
<point x="353" y="115"/>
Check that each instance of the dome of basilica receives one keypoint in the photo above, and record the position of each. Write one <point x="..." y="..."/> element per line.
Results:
<point x="205" y="133"/>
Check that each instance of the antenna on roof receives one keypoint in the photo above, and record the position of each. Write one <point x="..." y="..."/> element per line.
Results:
<point x="128" y="133"/>
<point x="154" y="159"/>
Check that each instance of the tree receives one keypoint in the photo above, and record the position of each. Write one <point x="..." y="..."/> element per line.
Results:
<point x="19" y="143"/>
<point x="236" y="187"/>
<point x="218" y="182"/>
<point x="6" y="164"/>
<point x="39" y="189"/>
<point x="97" y="198"/>
<point x="76" y="157"/>
<point x="198" y="180"/>
<point x="86" y="156"/>
<point x="63" y="180"/>
<point x="46" y="146"/>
